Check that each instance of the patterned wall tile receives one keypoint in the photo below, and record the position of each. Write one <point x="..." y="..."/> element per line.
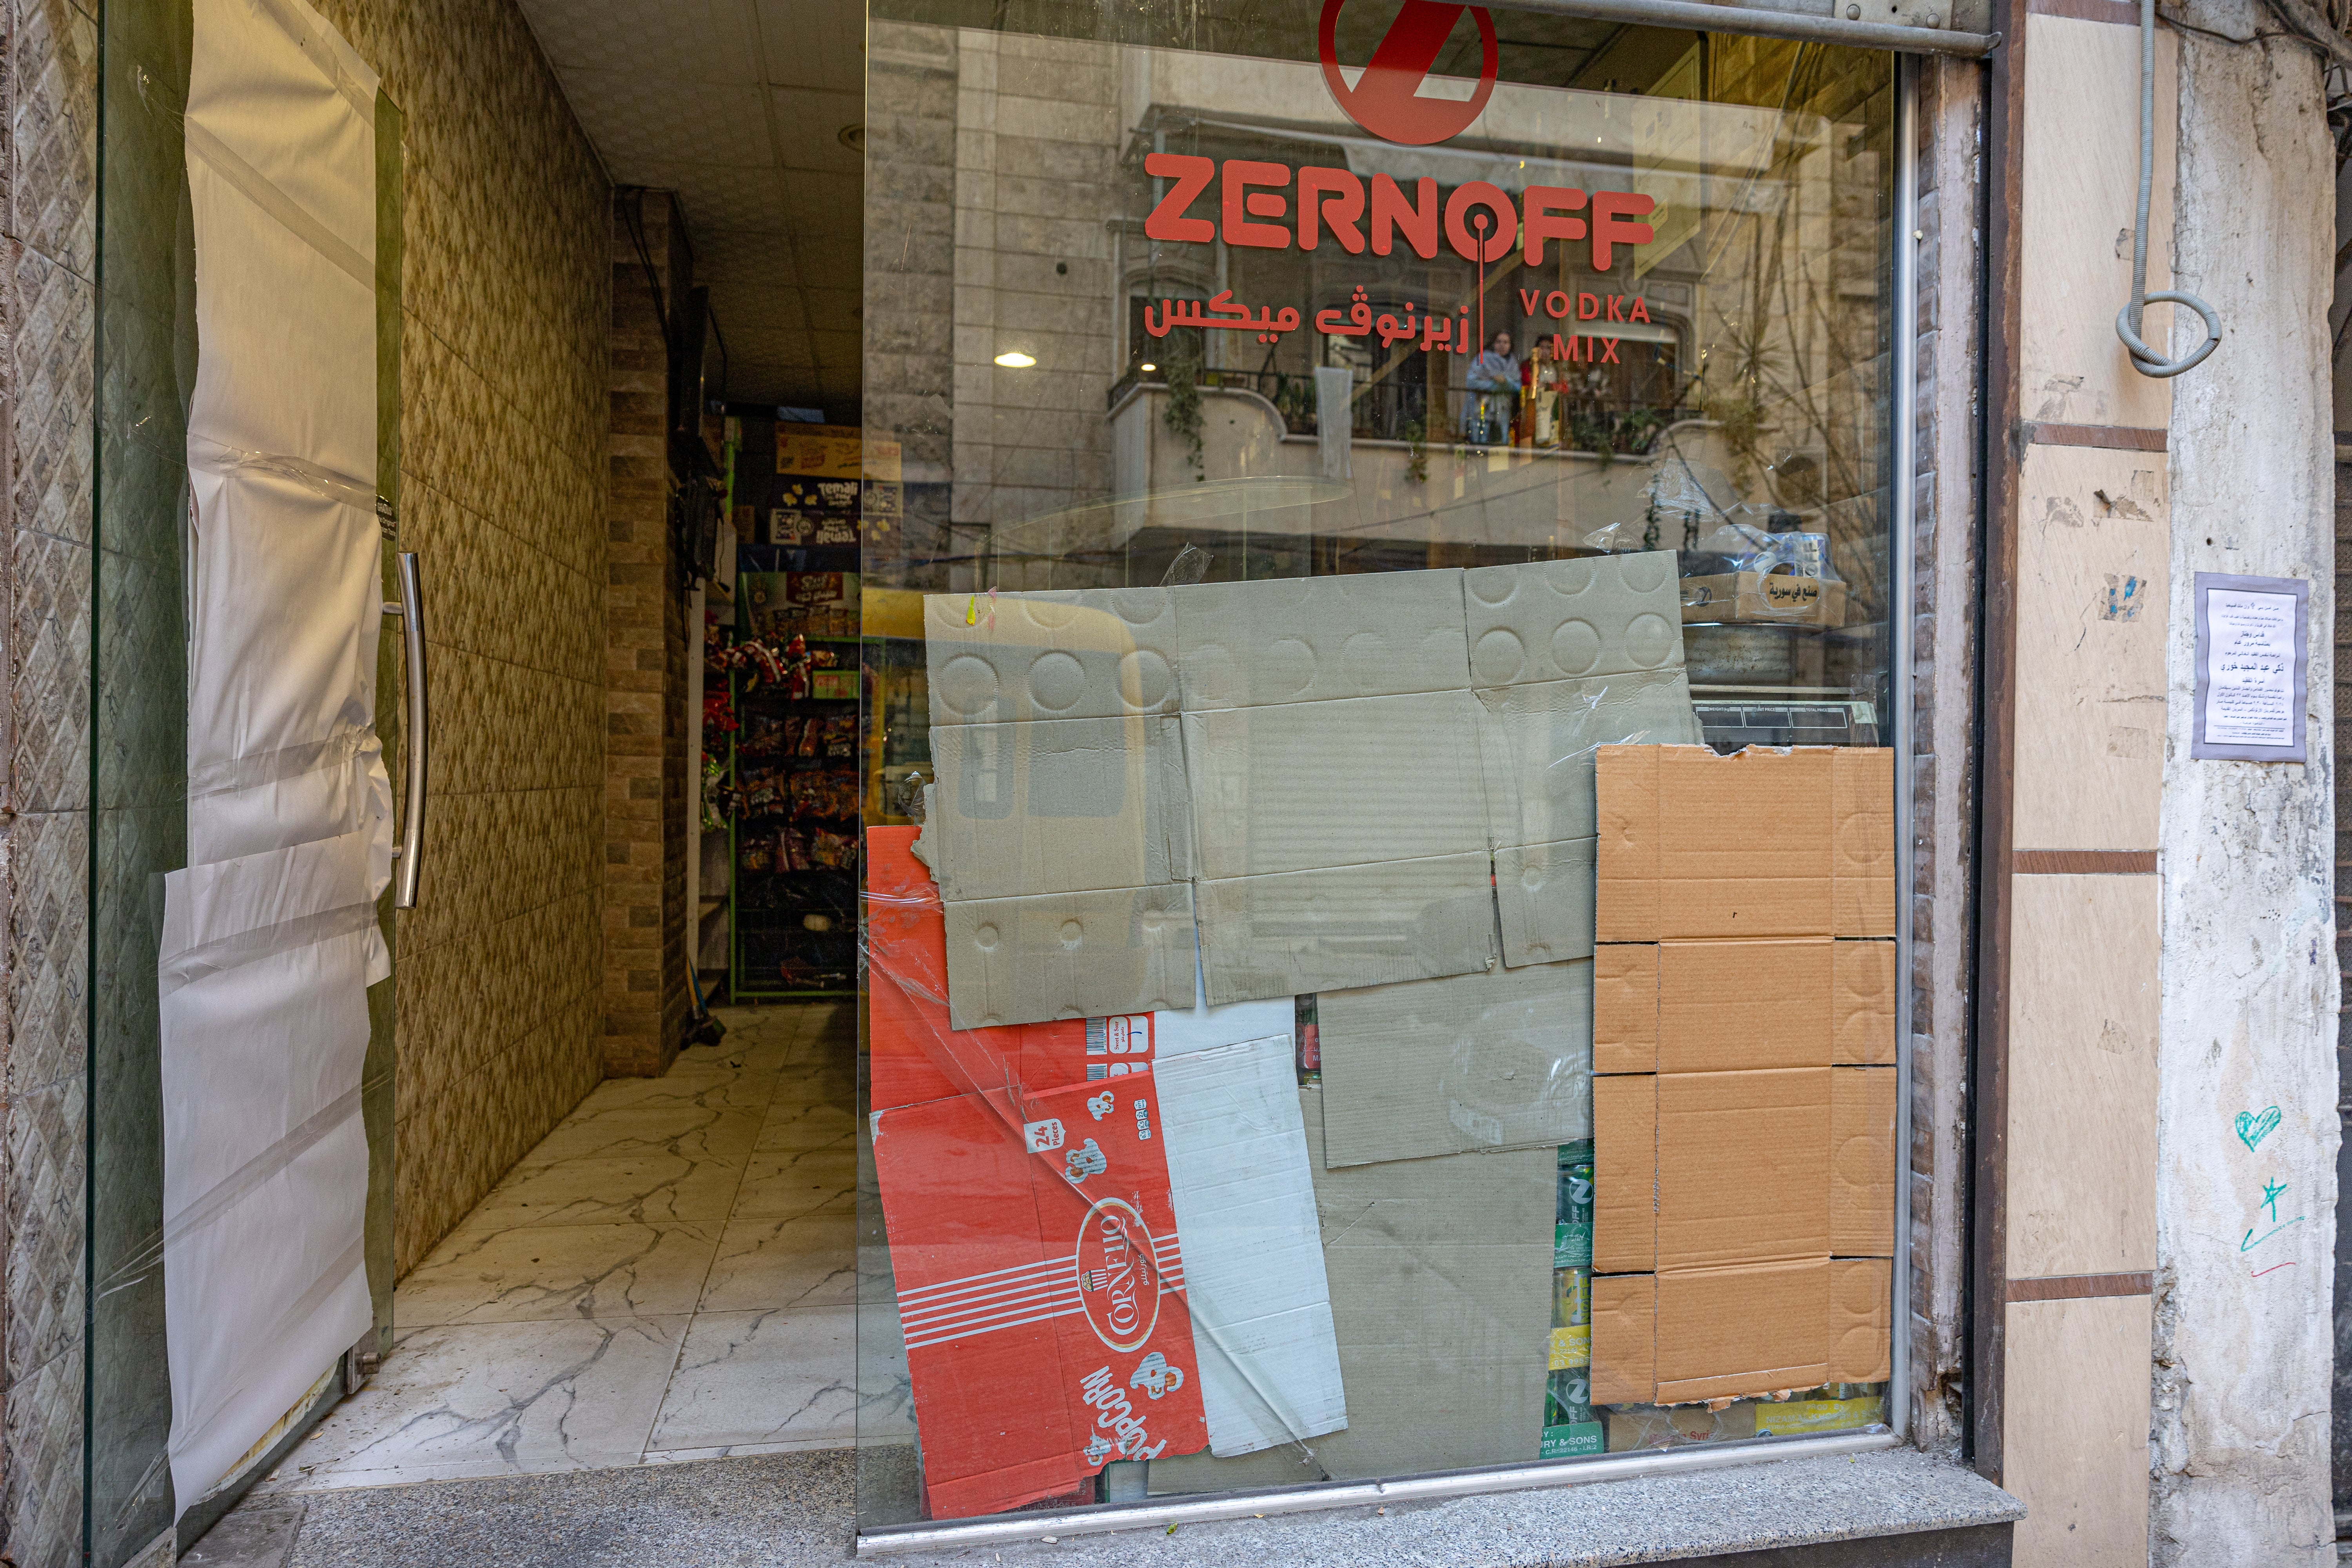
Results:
<point x="46" y="1145"/>
<point x="42" y="1484"/>
<point x="48" y="767"/>
<point x="53" y="132"/>
<point x="47" y="958"/>
<point x="50" y="352"/>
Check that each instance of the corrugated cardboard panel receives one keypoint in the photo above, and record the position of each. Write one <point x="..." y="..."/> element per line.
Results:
<point x="1543" y="893"/>
<point x="1061" y="806"/>
<point x="1862" y="1031"/>
<point x="1351" y="781"/>
<point x="1863" y="841"/>
<point x="1350" y="926"/>
<point x="1624" y="1339"/>
<point x="1499" y="1060"/>
<point x="1440" y="1274"/>
<point x="1625" y="907"/>
<point x="1862" y="1163"/>
<point x="1862" y="1310"/>
<point x="1624" y="1174"/>
<point x="1743" y="1167"/>
<point x="1540" y="742"/>
<point x="1760" y="816"/>
<point x="1727" y="1332"/>
<point x="1626" y="1007"/>
<point x="1240" y="1181"/>
<point x="1305" y="639"/>
<point x="1726" y="1006"/>
<point x="1070" y="956"/>
<point x="1095" y="653"/>
<point x="1562" y="620"/>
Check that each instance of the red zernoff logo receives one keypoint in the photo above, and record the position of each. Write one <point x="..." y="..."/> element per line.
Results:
<point x="1386" y="99"/>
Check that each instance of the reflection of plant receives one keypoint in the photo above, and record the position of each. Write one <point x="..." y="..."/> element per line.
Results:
<point x="1416" y="450"/>
<point x="1183" y="415"/>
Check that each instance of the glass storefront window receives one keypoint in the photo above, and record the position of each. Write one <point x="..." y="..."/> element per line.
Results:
<point x="1379" y="928"/>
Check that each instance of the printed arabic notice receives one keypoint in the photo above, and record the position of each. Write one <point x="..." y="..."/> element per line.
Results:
<point x="2250" y="656"/>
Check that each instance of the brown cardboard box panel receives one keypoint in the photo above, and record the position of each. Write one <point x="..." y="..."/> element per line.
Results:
<point x="1626" y="1007"/>
<point x="1346" y="926"/>
<point x="1860" y="1315"/>
<point x="1625" y="1338"/>
<point x="1865" y="1008"/>
<point x="1861" y="1162"/>
<point x="1743" y="1167"/>
<point x="1728" y="1006"/>
<point x="1763" y="843"/>
<point x="1775" y="1335"/>
<point x="1624" y="1174"/>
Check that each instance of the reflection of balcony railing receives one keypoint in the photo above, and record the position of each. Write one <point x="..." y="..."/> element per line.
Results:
<point x="1388" y="411"/>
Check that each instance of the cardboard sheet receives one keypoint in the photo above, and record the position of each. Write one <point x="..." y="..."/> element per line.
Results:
<point x="1796" y="842"/>
<point x="1325" y="765"/>
<point x="1044" y="1276"/>
<point x="1744" y="1136"/>
<point x="1440" y="1275"/>
<point x="1499" y="1060"/>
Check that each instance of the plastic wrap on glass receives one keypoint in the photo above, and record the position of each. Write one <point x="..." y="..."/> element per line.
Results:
<point x="1239" y="1005"/>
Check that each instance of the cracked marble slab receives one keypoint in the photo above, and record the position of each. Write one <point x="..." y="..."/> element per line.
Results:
<point x="763" y="1377"/>
<point x="535" y="1273"/>
<point x="805" y="1123"/>
<point x="623" y="1131"/>
<point x="807" y="1260"/>
<point x="494" y="1399"/>
<point x="779" y="1184"/>
<point x="639" y="1189"/>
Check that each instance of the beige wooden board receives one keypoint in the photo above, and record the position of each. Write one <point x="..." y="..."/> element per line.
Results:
<point x="2093" y="595"/>
<point x="2083" y="1075"/>
<point x="2081" y="181"/>
<point x="2075" y="1444"/>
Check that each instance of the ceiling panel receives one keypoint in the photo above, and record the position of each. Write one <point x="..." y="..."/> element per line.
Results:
<point x="814" y="43"/>
<point x="680" y="40"/>
<point x="636" y="120"/>
<point x="761" y="258"/>
<point x="809" y="124"/>
<point x="720" y="197"/>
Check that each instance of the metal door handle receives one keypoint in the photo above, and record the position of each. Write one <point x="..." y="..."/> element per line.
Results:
<point x="411" y="853"/>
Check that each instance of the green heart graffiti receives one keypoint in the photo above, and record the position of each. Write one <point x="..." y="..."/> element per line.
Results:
<point x="2253" y="1129"/>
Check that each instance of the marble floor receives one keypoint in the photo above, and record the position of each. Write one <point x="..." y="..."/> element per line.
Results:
<point x="669" y="1275"/>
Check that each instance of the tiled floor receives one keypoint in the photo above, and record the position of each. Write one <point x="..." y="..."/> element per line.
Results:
<point x="670" y="1275"/>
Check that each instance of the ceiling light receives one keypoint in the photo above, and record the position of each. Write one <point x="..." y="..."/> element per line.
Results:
<point x="851" y="137"/>
<point x="1151" y="367"/>
<point x="1013" y="359"/>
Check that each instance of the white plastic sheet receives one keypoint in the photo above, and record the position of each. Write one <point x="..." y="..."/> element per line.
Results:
<point x="270" y="940"/>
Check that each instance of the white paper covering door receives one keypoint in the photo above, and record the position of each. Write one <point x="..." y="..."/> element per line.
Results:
<point x="270" y="940"/>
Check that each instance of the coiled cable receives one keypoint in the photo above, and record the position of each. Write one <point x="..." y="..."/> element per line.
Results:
<point x="2146" y="360"/>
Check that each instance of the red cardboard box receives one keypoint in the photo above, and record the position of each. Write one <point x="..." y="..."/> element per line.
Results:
<point x="1040" y="1290"/>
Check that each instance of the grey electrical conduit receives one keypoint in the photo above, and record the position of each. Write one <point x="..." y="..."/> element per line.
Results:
<point x="2144" y="358"/>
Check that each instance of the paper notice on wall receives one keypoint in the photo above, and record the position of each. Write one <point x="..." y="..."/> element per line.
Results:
<point x="2251" y="655"/>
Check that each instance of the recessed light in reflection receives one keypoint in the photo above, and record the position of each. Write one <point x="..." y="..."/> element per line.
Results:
<point x="1149" y="368"/>
<point x="1013" y="359"/>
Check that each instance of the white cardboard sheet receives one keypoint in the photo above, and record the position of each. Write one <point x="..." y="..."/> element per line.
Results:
<point x="271" y="934"/>
<point x="1245" y="1201"/>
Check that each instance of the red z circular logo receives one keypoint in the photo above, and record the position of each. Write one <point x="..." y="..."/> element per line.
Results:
<point x="1386" y="99"/>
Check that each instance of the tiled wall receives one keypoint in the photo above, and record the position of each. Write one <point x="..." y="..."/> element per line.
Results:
<point x="503" y="487"/>
<point x="48" y="270"/>
<point x="646" y="995"/>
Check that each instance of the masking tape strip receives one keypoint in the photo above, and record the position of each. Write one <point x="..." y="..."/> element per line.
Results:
<point x="256" y="189"/>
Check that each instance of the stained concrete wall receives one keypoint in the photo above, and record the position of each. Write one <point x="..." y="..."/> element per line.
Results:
<point x="2250" y="985"/>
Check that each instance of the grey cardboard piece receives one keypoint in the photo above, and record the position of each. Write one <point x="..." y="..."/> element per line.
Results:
<point x="1094" y="653"/>
<point x="1304" y="639"/>
<point x="1068" y="955"/>
<point x="1500" y="1060"/>
<point x="1544" y="895"/>
<point x="1348" y="926"/>
<point x="1540" y="740"/>
<point x="1352" y="782"/>
<point x="1440" y="1273"/>
<point x="1059" y="805"/>
<point x="1568" y="620"/>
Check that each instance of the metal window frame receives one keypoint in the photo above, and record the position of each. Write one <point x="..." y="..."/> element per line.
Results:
<point x="1902" y="483"/>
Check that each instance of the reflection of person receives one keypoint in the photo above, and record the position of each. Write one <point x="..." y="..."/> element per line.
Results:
<point x="1495" y="378"/>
